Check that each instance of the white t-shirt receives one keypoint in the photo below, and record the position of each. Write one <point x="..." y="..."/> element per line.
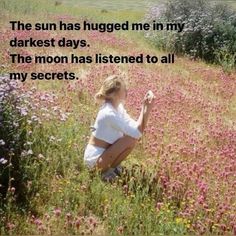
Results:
<point x="112" y="124"/>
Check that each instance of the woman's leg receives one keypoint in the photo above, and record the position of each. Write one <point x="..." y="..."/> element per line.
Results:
<point x="122" y="156"/>
<point x="116" y="153"/>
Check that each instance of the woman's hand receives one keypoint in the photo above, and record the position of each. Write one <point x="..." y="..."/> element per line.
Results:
<point x="148" y="100"/>
<point x="147" y="104"/>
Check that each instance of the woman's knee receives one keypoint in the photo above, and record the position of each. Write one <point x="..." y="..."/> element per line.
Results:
<point x="131" y="142"/>
<point x="102" y="165"/>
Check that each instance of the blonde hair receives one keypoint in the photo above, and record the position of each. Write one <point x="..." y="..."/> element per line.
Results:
<point x="110" y="86"/>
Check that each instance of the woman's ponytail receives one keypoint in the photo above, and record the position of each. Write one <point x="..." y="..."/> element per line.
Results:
<point x="99" y="96"/>
<point x="110" y="86"/>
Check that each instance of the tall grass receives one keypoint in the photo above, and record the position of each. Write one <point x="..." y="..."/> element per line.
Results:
<point x="60" y="190"/>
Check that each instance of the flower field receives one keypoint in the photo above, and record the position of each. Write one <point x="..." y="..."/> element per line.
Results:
<point x="181" y="177"/>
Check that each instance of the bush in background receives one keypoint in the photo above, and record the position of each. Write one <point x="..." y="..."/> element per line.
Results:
<point x="209" y="32"/>
<point x="12" y="139"/>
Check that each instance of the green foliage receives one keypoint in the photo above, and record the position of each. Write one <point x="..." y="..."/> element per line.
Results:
<point x="12" y="139"/>
<point x="209" y="31"/>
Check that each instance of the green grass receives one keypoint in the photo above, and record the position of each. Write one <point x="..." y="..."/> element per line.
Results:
<point x="114" y="5"/>
<point x="131" y="5"/>
<point x="60" y="180"/>
<point x="47" y="8"/>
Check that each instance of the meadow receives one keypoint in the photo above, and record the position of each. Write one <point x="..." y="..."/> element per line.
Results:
<point x="180" y="179"/>
<point x="125" y="5"/>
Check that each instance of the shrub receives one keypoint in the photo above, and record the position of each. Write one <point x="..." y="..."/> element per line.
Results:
<point x="12" y="139"/>
<point x="209" y="32"/>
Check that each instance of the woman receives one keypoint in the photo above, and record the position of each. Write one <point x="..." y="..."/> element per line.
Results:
<point x="114" y="133"/>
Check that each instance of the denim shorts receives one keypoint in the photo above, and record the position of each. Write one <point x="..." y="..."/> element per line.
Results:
<point x="91" y="154"/>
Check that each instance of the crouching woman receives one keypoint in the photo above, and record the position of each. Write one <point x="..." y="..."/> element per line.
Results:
<point x="115" y="133"/>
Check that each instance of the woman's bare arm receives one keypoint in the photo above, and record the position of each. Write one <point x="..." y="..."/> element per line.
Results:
<point x="143" y="117"/>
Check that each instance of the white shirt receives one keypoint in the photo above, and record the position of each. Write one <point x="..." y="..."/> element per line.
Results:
<point x="112" y="124"/>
